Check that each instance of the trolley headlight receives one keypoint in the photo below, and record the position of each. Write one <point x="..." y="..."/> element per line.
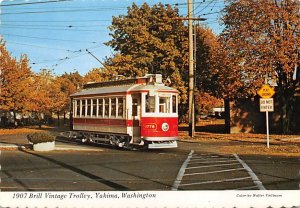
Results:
<point x="165" y="127"/>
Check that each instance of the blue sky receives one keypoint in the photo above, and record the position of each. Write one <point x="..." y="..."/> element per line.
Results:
<point x="56" y="33"/>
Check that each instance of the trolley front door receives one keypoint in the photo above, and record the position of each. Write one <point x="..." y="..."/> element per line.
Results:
<point x="136" y="115"/>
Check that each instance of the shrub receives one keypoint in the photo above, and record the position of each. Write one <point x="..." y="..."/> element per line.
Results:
<point x="39" y="137"/>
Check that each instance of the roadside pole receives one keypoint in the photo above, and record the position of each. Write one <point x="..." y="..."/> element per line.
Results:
<point x="191" y="70"/>
<point x="266" y="105"/>
<point x="267" y="123"/>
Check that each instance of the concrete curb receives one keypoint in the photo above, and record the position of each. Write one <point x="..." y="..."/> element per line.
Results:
<point x="77" y="149"/>
<point x="17" y="147"/>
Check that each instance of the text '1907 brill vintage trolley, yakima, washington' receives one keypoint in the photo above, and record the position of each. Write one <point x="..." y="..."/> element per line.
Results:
<point x="138" y="111"/>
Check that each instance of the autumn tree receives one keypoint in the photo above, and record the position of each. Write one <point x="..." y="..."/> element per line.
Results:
<point x="261" y="38"/>
<point x="14" y="82"/>
<point x="207" y="48"/>
<point x="205" y="102"/>
<point x="98" y="75"/>
<point x="66" y="88"/>
<point x="75" y="78"/>
<point x="151" y="40"/>
<point x="43" y="98"/>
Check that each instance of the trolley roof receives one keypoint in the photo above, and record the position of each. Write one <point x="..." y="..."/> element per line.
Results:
<point x="116" y="87"/>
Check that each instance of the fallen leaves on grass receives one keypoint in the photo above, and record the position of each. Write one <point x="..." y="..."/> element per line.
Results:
<point x="248" y="144"/>
<point x="23" y="130"/>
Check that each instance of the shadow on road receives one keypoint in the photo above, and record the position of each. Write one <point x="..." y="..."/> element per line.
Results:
<point x="96" y="178"/>
<point x="82" y="172"/>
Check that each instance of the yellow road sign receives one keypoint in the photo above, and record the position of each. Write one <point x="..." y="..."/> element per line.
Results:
<point x="266" y="91"/>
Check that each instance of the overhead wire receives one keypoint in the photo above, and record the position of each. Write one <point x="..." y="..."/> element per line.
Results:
<point x="39" y="46"/>
<point x="83" y="51"/>
<point x="56" y="11"/>
<point x="67" y="29"/>
<point x="43" y="38"/>
<point x="63" y="26"/>
<point x="31" y="3"/>
<point x="58" y="20"/>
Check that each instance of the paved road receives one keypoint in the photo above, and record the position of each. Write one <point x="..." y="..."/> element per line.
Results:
<point x="107" y="170"/>
<point x="113" y="169"/>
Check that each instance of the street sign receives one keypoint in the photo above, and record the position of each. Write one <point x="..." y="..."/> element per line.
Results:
<point x="266" y="104"/>
<point x="266" y="91"/>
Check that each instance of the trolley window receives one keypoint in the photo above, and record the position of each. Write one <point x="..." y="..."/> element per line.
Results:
<point x="150" y="104"/>
<point x="174" y="104"/>
<point x="83" y="108"/>
<point x="164" y="104"/>
<point x="113" y="107"/>
<point x="134" y="106"/>
<point x="77" y="108"/>
<point x="88" y="113"/>
<point x="120" y="107"/>
<point x="94" y="108"/>
<point x="100" y="107"/>
<point x="106" y="107"/>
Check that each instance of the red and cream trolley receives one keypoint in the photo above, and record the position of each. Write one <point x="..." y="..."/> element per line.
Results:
<point x="127" y="112"/>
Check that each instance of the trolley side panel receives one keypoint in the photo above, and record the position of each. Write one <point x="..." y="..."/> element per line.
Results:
<point x="101" y="125"/>
<point x="153" y="127"/>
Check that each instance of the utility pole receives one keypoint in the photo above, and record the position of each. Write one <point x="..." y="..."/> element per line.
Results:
<point x="191" y="71"/>
<point x="190" y="19"/>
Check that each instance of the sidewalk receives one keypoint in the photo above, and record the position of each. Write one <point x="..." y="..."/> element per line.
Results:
<point x="19" y="141"/>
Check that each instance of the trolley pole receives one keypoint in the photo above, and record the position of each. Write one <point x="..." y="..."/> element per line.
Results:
<point x="191" y="71"/>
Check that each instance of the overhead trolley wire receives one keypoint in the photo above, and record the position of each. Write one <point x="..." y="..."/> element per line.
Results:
<point x="62" y="60"/>
<point x="56" y="21"/>
<point x="43" y="38"/>
<point x="58" y="11"/>
<point x="61" y="26"/>
<point x="67" y="29"/>
<point x="40" y="46"/>
<point x="30" y="3"/>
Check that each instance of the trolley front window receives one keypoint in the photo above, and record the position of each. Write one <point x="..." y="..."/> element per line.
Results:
<point x="164" y="104"/>
<point x="150" y="104"/>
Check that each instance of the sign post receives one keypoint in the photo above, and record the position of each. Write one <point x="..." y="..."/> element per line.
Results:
<point x="266" y="105"/>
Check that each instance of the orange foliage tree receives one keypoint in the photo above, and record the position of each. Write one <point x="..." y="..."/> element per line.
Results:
<point x="261" y="38"/>
<point x="39" y="98"/>
<point x="14" y="82"/>
<point x="98" y="75"/>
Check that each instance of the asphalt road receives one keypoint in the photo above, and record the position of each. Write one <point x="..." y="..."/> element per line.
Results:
<point x="171" y="169"/>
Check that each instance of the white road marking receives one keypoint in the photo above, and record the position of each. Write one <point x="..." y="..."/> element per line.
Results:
<point x="203" y="157"/>
<point x="209" y="162"/>
<point x="255" y="179"/>
<point x="246" y="188"/>
<point x="181" y="172"/>
<point x="208" y="166"/>
<point x="219" y="181"/>
<point x="207" y="159"/>
<point x="217" y="171"/>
